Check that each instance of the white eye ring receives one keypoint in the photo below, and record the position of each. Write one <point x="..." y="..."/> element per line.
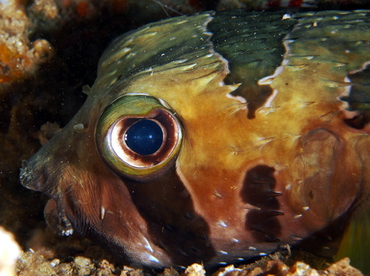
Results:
<point x="118" y="118"/>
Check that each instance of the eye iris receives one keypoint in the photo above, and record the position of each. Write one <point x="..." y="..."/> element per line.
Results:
<point x="144" y="137"/>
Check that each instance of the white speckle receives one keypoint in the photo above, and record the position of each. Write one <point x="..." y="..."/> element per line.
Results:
<point x="210" y="55"/>
<point x="221" y="83"/>
<point x="333" y="32"/>
<point x="223" y="252"/>
<point x="181" y="22"/>
<point x="31" y="250"/>
<point x="173" y="38"/>
<point x="153" y="259"/>
<point x="217" y="194"/>
<point x="297" y="216"/>
<point x="306" y="208"/>
<point x="335" y="17"/>
<point x="286" y="16"/>
<point x="222" y="223"/>
<point x="79" y="127"/>
<point x="181" y="60"/>
<point x="190" y="66"/>
<point x="262" y="254"/>
<point x="347" y="51"/>
<point x="222" y="263"/>
<point x="126" y="49"/>
<point x="240" y="259"/>
<point x="235" y="240"/>
<point x="148" y="69"/>
<point x="102" y="212"/>
<point x="131" y="55"/>
<point x="297" y="238"/>
<point x="163" y="54"/>
<point x="147" y="245"/>
<point x="251" y="207"/>
<point x="252" y="248"/>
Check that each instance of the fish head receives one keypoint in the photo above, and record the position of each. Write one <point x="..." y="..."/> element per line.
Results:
<point x="169" y="161"/>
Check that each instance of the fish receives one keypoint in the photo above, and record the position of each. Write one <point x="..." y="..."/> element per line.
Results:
<point x="218" y="137"/>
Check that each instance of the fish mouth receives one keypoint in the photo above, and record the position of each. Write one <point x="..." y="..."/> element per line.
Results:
<point x="27" y="174"/>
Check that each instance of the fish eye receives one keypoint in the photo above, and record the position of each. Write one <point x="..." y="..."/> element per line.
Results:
<point x="138" y="136"/>
<point x="145" y="137"/>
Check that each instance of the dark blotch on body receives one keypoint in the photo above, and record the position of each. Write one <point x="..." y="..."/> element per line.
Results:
<point x="359" y="97"/>
<point x="258" y="190"/>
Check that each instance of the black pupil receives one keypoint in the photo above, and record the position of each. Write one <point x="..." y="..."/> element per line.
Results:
<point x="144" y="137"/>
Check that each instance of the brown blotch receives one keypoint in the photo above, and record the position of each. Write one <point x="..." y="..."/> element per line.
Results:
<point x="255" y="95"/>
<point x="258" y="190"/>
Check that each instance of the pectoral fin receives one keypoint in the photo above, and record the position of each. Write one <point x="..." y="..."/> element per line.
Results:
<point x="356" y="240"/>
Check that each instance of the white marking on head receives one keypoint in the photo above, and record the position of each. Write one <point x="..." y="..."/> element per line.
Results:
<point x="181" y="60"/>
<point x="152" y="258"/>
<point x="102" y="212"/>
<point x="147" y="245"/>
<point x="222" y="223"/>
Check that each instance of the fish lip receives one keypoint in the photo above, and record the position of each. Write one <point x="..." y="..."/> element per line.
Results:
<point x="32" y="174"/>
<point x="26" y="175"/>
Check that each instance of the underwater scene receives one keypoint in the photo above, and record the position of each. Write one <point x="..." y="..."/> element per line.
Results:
<point x="185" y="137"/>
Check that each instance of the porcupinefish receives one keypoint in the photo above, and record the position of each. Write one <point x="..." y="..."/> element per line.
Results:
<point x="219" y="137"/>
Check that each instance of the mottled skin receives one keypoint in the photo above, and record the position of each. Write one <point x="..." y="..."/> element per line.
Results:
<point x="275" y="145"/>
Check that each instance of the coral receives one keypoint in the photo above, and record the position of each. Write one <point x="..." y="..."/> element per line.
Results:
<point x="18" y="56"/>
<point x="9" y="253"/>
<point x="48" y="50"/>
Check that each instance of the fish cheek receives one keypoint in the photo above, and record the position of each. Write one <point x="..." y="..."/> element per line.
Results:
<point x="173" y="225"/>
<point x="328" y="186"/>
